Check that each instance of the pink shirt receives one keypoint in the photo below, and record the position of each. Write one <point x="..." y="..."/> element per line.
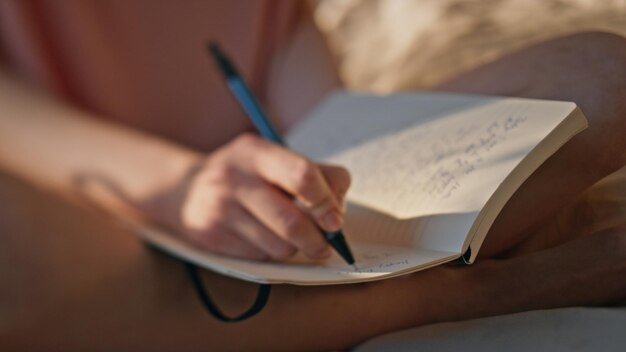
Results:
<point x="144" y="62"/>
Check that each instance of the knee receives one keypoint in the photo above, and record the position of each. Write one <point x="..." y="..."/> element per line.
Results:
<point x="602" y="53"/>
<point x="596" y="62"/>
<point x="595" y="38"/>
<point x="600" y="43"/>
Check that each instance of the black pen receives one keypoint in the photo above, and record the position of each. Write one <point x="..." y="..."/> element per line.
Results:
<point x="252" y="108"/>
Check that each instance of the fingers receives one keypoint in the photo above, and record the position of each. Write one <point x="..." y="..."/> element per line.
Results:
<point x="277" y="212"/>
<point x="224" y="241"/>
<point x="225" y="227"/>
<point x="259" y="235"/>
<point x="204" y="219"/>
<point x="304" y="180"/>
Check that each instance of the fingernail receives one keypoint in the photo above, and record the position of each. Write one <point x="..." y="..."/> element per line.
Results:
<point x="332" y="221"/>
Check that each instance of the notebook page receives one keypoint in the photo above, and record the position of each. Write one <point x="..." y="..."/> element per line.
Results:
<point x="421" y="154"/>
<point x="375" y="261"/>
<point x="437" y="232"/>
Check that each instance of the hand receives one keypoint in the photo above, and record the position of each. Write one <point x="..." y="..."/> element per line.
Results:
<point x="255" y="199"/>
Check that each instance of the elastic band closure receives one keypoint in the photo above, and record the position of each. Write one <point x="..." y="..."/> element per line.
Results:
<point x="260" y="302"/>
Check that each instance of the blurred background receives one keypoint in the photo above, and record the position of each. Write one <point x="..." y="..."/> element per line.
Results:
<point x="385" y="45"/>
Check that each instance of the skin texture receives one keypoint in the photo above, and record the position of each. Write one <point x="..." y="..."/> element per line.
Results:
<point x="79" y="280"/>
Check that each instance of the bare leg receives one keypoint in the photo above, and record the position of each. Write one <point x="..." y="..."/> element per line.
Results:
<point x="77" y="281"/>
<point x="85" y="283"/>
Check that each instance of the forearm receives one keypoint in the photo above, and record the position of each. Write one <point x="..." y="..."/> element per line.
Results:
<point x="59" y="147"/>
<point x="228" y="202"/>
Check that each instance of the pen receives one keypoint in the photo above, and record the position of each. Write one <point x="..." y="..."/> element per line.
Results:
<point x="252" y="108"/>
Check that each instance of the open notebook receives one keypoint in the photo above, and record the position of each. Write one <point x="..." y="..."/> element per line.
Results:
<point x="430" y="173"/>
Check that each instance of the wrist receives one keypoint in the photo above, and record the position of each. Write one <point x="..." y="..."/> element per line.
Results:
<point x="163" y="202"/>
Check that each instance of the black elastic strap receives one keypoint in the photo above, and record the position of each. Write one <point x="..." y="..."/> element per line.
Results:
<point x="464" y="259"/>
<point x="261" y="298"/>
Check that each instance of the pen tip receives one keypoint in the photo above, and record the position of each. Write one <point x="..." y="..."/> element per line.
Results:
<point x="354" y="267"/>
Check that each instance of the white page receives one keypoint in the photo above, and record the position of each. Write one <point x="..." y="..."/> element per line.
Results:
<point x="420" y="154"/>
<point x="436" y="232"/>
<point x="375" y="261"/>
